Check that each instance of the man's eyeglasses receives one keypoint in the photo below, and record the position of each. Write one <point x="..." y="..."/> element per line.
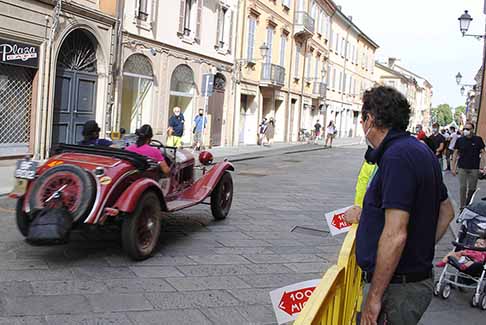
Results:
<point x="467" y="129"/>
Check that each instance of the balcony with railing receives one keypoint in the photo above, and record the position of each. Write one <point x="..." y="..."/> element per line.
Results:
<point x="319" y="89"/>
<point x="272" y="75"/>
<point x="304" y="25"/>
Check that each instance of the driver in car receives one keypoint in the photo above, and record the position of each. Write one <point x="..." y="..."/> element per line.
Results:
<point x="142" y="147"/>
<point x="91" y="135"/>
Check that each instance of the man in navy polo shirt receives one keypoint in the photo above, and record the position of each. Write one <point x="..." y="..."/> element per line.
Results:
<point x="405" y="212"/>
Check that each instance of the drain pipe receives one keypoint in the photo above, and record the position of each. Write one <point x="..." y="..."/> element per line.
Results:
<point x="115" y="104"/>
<point x="237" y="65"/>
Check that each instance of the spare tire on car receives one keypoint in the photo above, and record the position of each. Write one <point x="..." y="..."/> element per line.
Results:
<point x="76" y="186"/>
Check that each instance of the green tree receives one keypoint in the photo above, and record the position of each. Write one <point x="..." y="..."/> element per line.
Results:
<point x="459" y="111"/>
<point x="442" y="114"/>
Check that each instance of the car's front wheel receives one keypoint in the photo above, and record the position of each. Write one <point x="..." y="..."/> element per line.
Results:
<point x="141" y="230"/>
<point x="222" y="197"/>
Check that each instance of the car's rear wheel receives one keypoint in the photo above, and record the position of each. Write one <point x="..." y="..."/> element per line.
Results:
<point x="76" y="186"/>
<point x="141" y="230"/>
<point x="22" y="218"/>
<point x="222" y="197"/>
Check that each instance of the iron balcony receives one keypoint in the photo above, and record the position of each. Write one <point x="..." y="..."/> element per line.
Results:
<point x="320" y="89"/>
<point x="272" y="75"/>
<point x="303" y="25"/>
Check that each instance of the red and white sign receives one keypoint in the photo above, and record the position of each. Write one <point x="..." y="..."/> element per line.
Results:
<point x="289" y="301"/>
<point x="335" y="221"/>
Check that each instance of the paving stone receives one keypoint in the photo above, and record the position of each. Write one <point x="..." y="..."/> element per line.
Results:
<point x="277" y="280"/>
<point x="22" y="264"/>
<point x="191" y="299"/>
<point x="224" y="316"/>
<point x="27" y="320"/>
<point x="258" y="314"/>
<point x="118" y="302"/>
<point x="155" y="271"/>
<point x="268" y="268"/>
<point x="45" y="305"/>
<point x="244" y="243"/>
<point x="213" y="270"/>
<point x="89" y="319"/>
<point x="207" y="283"/>
<point x="169" y="317"/>
<point x="138" y="285"/>
<point x="15" y="288"/>
<point x="282" y="258"/>
<point x="103" y="273"/>
<point x="67" y="287"/>
<point x="31" y="275"/>
<point x="243" y="250"/>
<point x="220" y="259"/>
<point x="252" y="296"/>
<point x="308" y="267"/>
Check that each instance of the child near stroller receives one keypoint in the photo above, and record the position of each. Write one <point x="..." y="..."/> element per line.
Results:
<point x="465" y="267"/>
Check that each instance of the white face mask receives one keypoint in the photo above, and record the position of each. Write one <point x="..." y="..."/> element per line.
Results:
<point x="466" y="133"/>
<point x="177" y="113"/>
<point x="434" y="130"/>
<point x="368" y="143"/>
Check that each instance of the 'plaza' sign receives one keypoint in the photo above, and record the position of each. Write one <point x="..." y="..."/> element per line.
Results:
<point x="19" y="54"/>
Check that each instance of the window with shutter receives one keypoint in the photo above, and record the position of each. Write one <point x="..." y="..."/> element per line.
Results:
<point x="182" y="17"/>
<point x="269" y="43"/>
<point x="334" y="79"/>
<point x="230" y="33"/>
<point x="221" y="27"/>
<point x="199" y="20"/>
<point x="316" y="69"/>
<point x="297" y="61"/>
<point x="286" y="3"/>
<point x="283" y="45"/>
<point x="251" y="38"/>
<point x="343" y="88"/>
<point x="308" y="66"/>
<point x="143" y="10"/>
<point x="328" y="77"/>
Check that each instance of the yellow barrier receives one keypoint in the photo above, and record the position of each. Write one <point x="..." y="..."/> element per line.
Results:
<point x="337" y="298"/>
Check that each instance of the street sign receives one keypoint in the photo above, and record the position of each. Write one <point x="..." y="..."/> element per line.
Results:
<point x="207" y="84"/>
<point x="335" y="221"/>
<point x="289" y="301"/>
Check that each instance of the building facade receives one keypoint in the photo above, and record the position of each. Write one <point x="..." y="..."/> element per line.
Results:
<point x="55" y="71"/>
<point x="415" y="88"/>
<point x="166" y="51"/>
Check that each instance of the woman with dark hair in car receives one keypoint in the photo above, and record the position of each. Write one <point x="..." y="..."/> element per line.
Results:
<point x="142" y="147"/>
<point x="91" y="135"/>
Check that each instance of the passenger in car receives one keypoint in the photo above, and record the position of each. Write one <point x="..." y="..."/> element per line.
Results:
<point x="142" y="147"/>
<point x="91" y="135"/>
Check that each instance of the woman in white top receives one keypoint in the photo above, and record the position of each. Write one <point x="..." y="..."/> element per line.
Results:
<point x="331" y="132"/>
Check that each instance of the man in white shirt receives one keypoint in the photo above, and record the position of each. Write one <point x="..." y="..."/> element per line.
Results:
<point x="452" y="142"/>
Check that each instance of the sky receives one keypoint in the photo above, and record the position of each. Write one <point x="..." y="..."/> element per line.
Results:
<point x="425" y="36"/>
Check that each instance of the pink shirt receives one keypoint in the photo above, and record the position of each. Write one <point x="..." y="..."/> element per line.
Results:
<point x="479" y="257"/>
<point x="148" y="151"/>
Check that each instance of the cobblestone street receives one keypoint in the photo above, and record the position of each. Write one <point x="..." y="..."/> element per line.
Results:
<point x="204" y="272"/>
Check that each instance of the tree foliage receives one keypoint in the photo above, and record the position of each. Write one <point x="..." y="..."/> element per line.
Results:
<point x="442" y="114"/>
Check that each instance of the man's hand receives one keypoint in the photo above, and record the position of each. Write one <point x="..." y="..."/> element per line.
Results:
<point x="353" y="214"/>
<point x="453" y="172"/>
<point x="371" y="311"/>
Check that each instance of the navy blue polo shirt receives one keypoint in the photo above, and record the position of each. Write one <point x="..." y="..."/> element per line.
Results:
<point x="469" y="152"/>
<point x="177" y="124"/>
<point x="408" y="179"/>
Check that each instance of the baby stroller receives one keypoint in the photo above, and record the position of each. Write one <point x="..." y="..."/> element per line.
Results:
<point x="473" y="227"/>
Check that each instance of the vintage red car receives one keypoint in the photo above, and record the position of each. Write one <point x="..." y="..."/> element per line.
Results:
<point x="92" y="185"/>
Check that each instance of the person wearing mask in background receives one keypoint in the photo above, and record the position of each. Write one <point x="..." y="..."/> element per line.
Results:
<point x="450" y="149"/>
<point x="262" y="130"/>
<point x="91" y="135"/>
<point x="469" y="155"/>
<point x="142" y="147"/>
<point x="439" y="143"/>
<point x="199" y="127"/>
<point x="176" y="128"/>
<point x="420" y="133"/>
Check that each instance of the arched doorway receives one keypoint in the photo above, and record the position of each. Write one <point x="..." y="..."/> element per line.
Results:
<point x="138" y="79"/>
<point x="216" y="108"/>
<point x="182" y="94"/>
<point x="75" y="92"/>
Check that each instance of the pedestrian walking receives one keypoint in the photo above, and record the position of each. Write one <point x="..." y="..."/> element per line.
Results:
<point x="262" y="130"/>
<point x="200" y="122"/>
<point x="419" y="132"/>
<point x="406" y="210"/>
<point x="270" y="133"/>
<point x="439" y="143"/>
<point x="450" y="148"/>
<point x="469" y="156"/>
<point x="330" y="134"/>
<point x="176" y="128"/>
<point x="317" y="131"/>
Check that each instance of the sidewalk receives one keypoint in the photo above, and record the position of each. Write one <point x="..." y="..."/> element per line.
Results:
<point x="7" y="167"/>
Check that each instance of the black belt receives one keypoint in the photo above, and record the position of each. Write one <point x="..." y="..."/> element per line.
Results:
<point x="401" y="278"/>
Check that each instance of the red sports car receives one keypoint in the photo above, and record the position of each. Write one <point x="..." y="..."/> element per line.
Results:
<point x="94" y="185"/>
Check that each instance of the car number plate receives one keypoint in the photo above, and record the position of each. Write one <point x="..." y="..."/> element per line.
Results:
<point x="26" y="169"/>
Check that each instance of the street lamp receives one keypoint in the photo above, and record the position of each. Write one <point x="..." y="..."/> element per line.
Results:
<point x="264" y="51"/>
<point x="458" y="78"/>
<point x="463" y="89"/>
<point x="464" y="23"/>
